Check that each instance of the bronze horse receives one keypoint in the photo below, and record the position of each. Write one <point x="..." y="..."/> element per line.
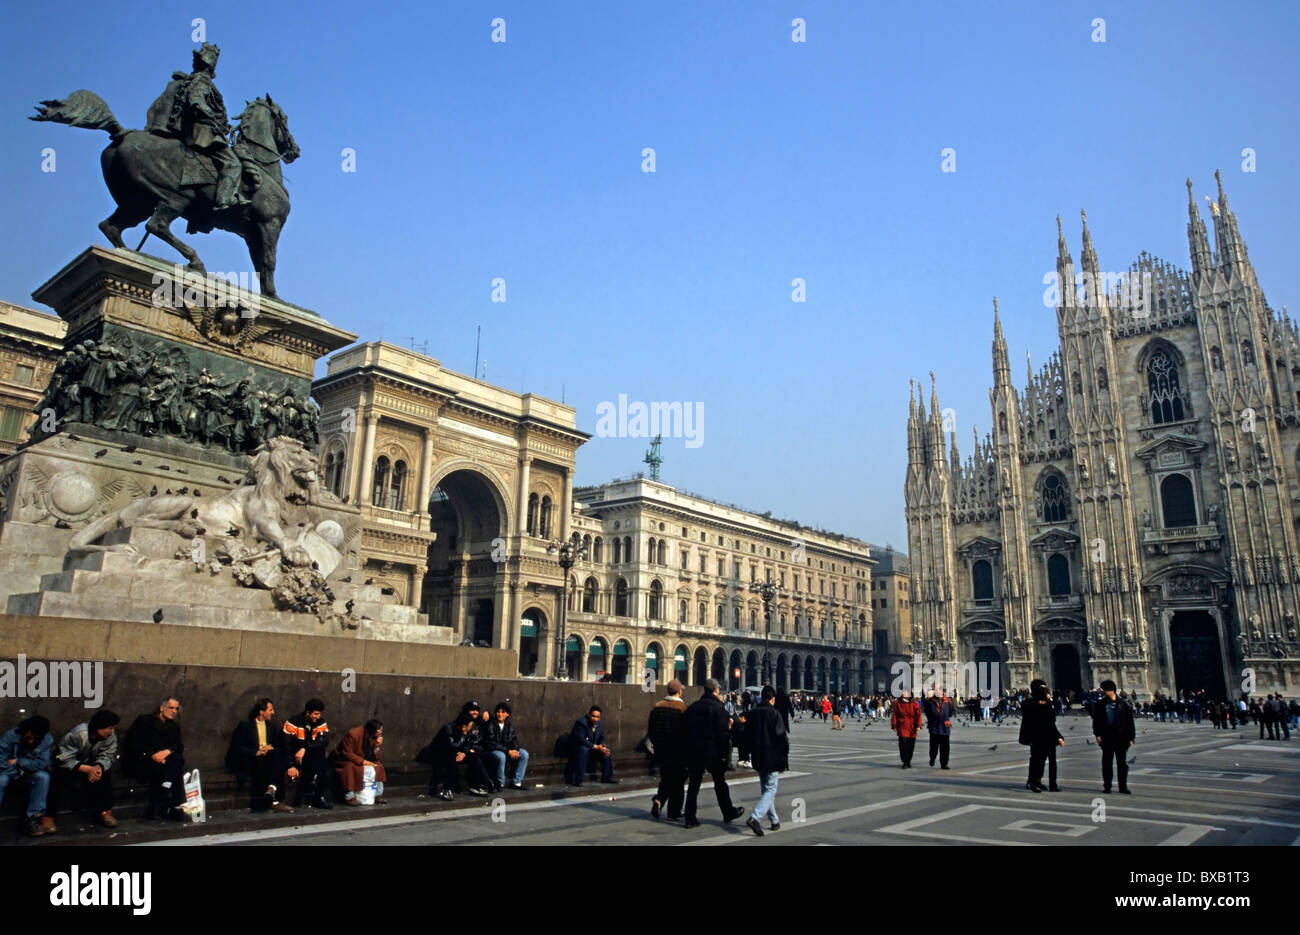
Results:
<point x="144" y="174"/>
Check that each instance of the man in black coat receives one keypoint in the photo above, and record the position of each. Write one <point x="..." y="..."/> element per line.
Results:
<point x="500" y="747"/>
<point x="708" y="728"/>
<point x="667" y="731"/>
<point x="257" y="757"/>
<point x="1112" y="725"/>
<point x="586" y="742"/>
<point x="769" y="749"/>
<point x="453" y="745"/>
<point x="155" y="756"/>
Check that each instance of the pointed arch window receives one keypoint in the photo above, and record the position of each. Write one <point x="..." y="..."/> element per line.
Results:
<point x="1054" y="500"/>
<point x="1165" y="388"/>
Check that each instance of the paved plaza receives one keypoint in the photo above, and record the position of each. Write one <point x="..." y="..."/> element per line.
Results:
<point x="1192" y="784"/>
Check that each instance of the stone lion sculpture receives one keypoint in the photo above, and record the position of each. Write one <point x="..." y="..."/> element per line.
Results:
<point x="283" y="472"/>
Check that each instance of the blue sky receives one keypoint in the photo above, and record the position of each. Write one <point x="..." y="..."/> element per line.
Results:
<point x="774" y="160"/>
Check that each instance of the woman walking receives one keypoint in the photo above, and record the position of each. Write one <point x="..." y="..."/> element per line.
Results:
<point x="1038" y="732"/>
<point x="906" y="723"/>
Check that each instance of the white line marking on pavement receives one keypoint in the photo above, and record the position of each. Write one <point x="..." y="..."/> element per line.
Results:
<point x="820" y="819"/>
<point x="388" y="821"/>
<point x="1049" y="827"/>
<point x="1189" y="835"/>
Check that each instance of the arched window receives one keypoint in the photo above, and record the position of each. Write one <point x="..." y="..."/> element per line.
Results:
<point x="720" y="612"/>
<point x="381" y="481"/>
<point x="620" y="598"/>
<point x="589" y="596"/>
<point x="597" y="549"/>
<point x="545" y="524"/>
<point x="618" y="551"/>
<point x="683" y="613"/>
<point x="782" y="622"/>
<point x="650" y="551"/>
<point x="532" y="514"/>
<point x="627" y="548"/>
<point x="703" y="613"/>
<point x="1164" y="387"/>
<point x="663" y="552"/>
<point x="735" y="616"/>
<point x="1058" y="575"/>
<point x="753" y="619"/>
<point x="334" y="473"/>
<point x="1177" y="501"/>
<point x="586" y="544"/>
<point x="397" y="489"/>
<point x="1054" y="499"/>
<point x="656" y="600"/>
<point x="981" y="579"/>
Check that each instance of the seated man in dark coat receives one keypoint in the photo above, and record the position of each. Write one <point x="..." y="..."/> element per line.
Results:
<point x="155" y="756"/>
<point x="587" y="743"/>
<point x="455" y="745"/>
<point x="257" y="757"/>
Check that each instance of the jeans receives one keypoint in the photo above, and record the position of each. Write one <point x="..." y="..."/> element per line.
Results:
<point x="501" y="758"/>
<point x="767" y="800"/>
<point x="40" y="788"/>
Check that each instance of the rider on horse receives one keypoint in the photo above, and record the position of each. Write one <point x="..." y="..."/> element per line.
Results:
<point x="192" y="110"/>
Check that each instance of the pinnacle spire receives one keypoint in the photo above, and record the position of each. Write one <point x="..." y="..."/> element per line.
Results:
<point x="1001" y="364"/>
<point x="1198" y="243"/>
<point x="1091" y="269"/>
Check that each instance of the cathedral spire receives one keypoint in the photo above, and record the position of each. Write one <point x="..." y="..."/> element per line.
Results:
<point x="1227" y="239"/>
<point x="1091" y="268"/>
<point x="1197" y="242"/>
<point x="1001" y="363"/>
<point x="1064" y="268"/>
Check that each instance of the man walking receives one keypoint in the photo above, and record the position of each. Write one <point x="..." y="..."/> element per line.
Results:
<point x="1112" y="726"/>
<point x="938" y="721"/>
<point x="769" y="749"/>
<point x="708" y="729"/>
<point x="666" y="731"/>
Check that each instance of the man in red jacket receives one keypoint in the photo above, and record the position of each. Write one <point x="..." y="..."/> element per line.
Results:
<point x="906" y="723"/>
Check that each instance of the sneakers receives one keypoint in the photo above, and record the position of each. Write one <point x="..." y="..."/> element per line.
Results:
<point x="755" y="827"/>
<point x="515" y="785"/>
<point x="107" y="820"/>
<point x="775" y="826"/>
<point x="480" y="793"/>
<point x="47" y="824"/>
<point x="278" y="807"/>
<point x="446" y="795"/>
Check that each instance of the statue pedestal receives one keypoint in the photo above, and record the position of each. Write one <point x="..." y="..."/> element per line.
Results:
<point x="169" y="382"/>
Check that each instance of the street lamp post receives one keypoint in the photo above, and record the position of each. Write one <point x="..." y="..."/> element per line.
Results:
<point x="768" y="591"/>
<point x="568" y="553"/>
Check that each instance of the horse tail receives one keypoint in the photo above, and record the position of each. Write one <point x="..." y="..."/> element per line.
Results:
<point x="84" y="109"/>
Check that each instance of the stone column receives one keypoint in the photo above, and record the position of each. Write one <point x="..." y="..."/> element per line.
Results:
<point x="426" y="472"/>
<point x="504" y="627"/>
<point x="568" y="504"/>
<point x="367" y="460"/>
<point x="522" y="520"/>
<point x="417" y="586"/>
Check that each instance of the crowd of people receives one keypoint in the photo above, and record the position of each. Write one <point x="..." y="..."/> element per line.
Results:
<point x="480" y="751"/>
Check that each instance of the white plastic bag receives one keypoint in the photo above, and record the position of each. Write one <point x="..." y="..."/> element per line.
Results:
<point x="194" y="805"/>
<point x="367" y="794"/>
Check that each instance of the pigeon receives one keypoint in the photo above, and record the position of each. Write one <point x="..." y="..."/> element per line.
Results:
<point x="197" y="494"/>
<point x="224" y="479"/>
<point x="315" y="566"/>
<point x="386" y="590"/>
<point x="345" y="498"/>
<point x="349" y="605"/>
<point x="183" y="490"/>
<point x="164" y="467"/>
<point x="347" y="580"/>
<point x="994" y="747"/>
<point x="128" y="449"/>
<point x="158" y="615"/>
<point x="181" y="471"/>
<point x="73" y="438"/>
<point x="137" y="462"/>
<point x="194" y="514"/>
<point x="370" y="581"/>
<point x="168" y="491"/>
<point x="101" y="452"/>
<point x="154" y="491"/>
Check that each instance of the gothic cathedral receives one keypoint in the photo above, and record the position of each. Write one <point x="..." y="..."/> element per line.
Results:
<point x="1132" y="514"/>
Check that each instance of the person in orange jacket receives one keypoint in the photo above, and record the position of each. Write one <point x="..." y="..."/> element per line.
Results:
<point x="906" y="723"/>
<point x="826" y="708"/>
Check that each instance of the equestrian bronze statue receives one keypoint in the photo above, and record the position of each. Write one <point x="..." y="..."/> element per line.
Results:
<point x="188" y="162"/>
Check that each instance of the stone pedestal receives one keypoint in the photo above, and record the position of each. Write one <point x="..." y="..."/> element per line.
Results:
<point x="220" y="346"/>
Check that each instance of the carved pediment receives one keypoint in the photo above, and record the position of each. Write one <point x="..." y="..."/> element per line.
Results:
<point x="980" y="547"/>
<point x="1055" y="540"/>
<point x="1170" y="451"/>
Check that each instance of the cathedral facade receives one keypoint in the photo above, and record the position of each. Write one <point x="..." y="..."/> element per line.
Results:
<point x="1132" y="513"/>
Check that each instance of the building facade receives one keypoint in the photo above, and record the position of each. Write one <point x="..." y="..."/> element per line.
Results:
<point x="891" y="606"/>
<point x="1132" y="512"/>
<point x="668" y="589"/>
<point x="30" y="344"/>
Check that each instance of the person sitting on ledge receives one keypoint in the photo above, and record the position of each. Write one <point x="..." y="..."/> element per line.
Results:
<point x="501" y="746"/>
<point x="361" y="747"/>
<point x="84" y="762"/>
<point x="155" y="755"/>
<point x="587" y="742"/>
<point x="453" y="746"/>
<point x="25" y="758"/>
<point x="257" y="756"/>
<point x="308" y="735"/>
